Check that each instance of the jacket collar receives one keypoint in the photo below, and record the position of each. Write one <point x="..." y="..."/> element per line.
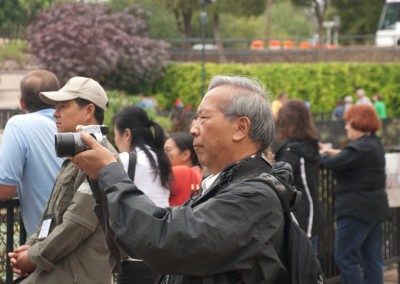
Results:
<point x="251" y="165"/>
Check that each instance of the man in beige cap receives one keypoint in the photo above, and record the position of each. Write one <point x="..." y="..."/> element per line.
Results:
<point x="69" y="243"/>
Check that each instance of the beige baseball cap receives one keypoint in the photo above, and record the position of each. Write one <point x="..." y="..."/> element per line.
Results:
<point x="78" y="87"/>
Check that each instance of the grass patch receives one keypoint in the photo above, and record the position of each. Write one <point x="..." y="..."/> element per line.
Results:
<point x="14" y="50"/>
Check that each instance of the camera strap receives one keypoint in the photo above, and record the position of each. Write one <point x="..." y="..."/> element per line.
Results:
<point x="132" y="165"/>
<point x="115" y="254"/>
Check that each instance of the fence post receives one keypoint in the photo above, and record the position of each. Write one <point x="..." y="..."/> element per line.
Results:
<point x="10" y="241"/>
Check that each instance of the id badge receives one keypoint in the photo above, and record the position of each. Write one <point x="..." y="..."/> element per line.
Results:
<point x="45" y="229"/>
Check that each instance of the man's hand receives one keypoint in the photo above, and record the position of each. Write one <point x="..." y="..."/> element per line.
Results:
<point x="93" y="160"/>
<point x="20" y="262"/>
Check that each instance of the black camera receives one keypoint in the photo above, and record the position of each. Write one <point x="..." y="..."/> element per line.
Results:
<point x="69" y="144"/>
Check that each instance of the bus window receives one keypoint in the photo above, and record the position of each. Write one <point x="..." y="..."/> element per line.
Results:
<point x="390" y="15"/>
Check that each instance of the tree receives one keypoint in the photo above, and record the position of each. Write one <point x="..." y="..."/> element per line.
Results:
<point x="318" y="9"/>
<point x="183" y="11"/>
<point x="268" y="19"/>
<point x="287" y="22"/>
<point x="161" y="22"/>
<point x="89" y="40"/>
<point x="15" y="15"/>
<point x="237" y="8"/>
<point x="358" y="16"/>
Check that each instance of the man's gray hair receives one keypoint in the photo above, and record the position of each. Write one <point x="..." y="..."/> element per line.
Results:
<point x="248" y="99"/>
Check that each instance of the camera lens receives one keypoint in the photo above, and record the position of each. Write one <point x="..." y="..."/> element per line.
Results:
<point x="65" y="144"/>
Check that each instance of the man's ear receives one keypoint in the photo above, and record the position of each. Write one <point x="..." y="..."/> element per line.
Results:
<point x="242" y="128"/>
<point x="22" y="104"/>
<point x="90" y="109"/>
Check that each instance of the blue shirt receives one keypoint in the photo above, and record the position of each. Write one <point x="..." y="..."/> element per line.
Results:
<point x="28" y="161"/>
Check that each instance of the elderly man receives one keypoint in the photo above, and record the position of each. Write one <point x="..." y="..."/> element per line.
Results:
<point x="232" y="232"/>
<point x="362" y="98"/>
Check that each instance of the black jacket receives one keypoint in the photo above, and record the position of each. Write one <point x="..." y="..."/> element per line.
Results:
<point x="233" y="233"/>
<point x="303" y="156"/>
<point x="360" y="179"/>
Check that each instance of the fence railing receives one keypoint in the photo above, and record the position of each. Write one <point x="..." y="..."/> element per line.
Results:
<point x="13" y="233"/>
<point x="5" y="115"/>
<point x="353" y="48"/>
<point x="391" y="231"/>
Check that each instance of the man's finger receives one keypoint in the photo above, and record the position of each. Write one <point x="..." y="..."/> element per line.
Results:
<point x="89" y="140"/>
<point x="21" y="248"/>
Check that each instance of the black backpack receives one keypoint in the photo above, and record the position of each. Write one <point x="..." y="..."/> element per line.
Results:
<point x="303" y="265"/>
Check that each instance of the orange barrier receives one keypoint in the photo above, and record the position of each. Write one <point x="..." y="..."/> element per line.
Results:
<point x="257" y="44"/>
<point x="288" y="44"/>
<point x="274" y="44"/>
<point x="304" y="45"/>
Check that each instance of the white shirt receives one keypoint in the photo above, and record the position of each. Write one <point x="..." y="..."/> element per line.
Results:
<point x="364" y="101"/>
<point x="145" y="178"/>
<point x="208" y="181"/>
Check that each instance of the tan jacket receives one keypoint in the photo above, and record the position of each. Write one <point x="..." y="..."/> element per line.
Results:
<point x="75" y="250"/>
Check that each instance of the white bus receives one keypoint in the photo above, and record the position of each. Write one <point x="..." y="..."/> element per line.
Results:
<point x="388" y="33"/>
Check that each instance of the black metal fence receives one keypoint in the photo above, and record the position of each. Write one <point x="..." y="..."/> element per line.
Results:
<point x="13" y="233"/>
<point x="354" y="48"/>
<point x="5" y="114"/>
<point x="391" y="232"/>
<point x="333" y="131"/>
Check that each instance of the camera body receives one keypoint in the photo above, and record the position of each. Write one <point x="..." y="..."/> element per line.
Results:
<point x="69" y="144"/>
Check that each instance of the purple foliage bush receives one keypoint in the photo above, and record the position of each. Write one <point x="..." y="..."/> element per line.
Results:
<point x="79" y="39"/>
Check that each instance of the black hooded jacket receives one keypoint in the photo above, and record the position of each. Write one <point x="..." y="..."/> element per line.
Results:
<point x="304" y="158"/>
<point x="232" y="233"/>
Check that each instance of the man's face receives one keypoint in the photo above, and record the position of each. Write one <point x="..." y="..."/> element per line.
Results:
<point x="69" y="114"/>
<point x="212" y="132"/>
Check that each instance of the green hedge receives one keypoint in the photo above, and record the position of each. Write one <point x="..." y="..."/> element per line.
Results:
<point x="322" y="84"/>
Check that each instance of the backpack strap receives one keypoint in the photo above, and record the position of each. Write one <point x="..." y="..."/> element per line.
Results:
<point x="276" y="184"/>
<point x="132" y="164"/>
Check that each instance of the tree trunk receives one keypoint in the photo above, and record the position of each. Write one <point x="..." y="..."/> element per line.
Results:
<point x="187" y="23"/>
<point x="319" y="10"/>
<point x="268" y="20"/>
<point x="217" y="38"/>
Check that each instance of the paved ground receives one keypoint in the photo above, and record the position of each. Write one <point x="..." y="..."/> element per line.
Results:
<point x="9" y="88"/>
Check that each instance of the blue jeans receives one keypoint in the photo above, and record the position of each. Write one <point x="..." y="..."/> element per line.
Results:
<point x="358" y="251"/>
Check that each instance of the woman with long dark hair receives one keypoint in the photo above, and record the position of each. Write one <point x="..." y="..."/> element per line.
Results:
<point x="135" y="132"/>
<point x="140" y="142"/>
<point x="298" y="136"/>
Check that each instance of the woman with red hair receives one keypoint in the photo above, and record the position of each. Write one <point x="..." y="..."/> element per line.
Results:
<point x="361" y="203"/>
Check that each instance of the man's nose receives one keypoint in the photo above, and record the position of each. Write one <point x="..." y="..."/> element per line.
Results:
<point x="194" y="131"/>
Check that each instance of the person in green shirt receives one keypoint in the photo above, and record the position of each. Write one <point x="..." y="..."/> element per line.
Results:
<point x="379" y="106"/>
